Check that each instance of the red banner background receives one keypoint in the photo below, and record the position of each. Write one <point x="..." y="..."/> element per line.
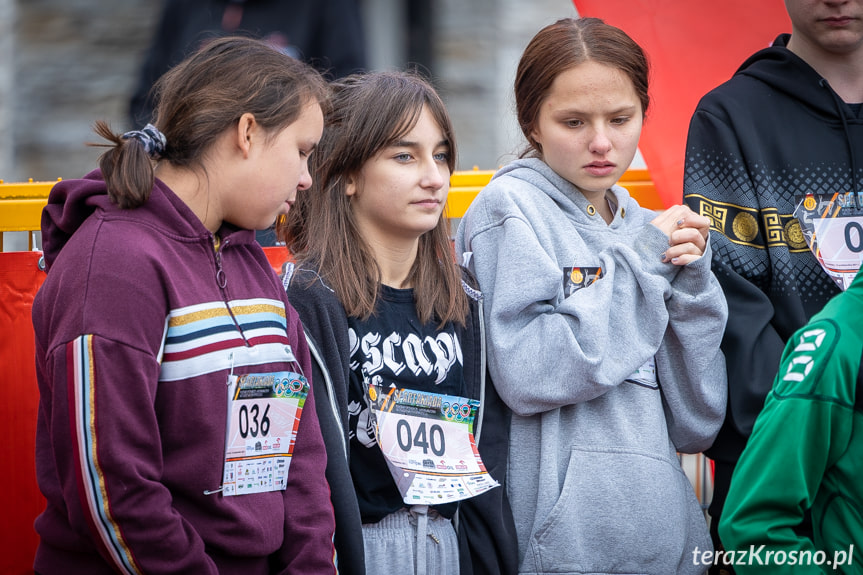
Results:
<point x="20" y="499"/>
<point x="693" y="46"/>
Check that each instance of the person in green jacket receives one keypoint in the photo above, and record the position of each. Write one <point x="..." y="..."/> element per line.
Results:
<point x="805" y="453"/>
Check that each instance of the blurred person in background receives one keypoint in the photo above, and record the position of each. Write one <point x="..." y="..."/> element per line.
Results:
<point x="327" y="34"/>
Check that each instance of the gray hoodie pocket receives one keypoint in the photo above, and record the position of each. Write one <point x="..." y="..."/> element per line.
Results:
<point x="619" y="512"/>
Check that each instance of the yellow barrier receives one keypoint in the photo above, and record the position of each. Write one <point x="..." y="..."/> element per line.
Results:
<point x="21" y="206"/>
<point x="21" y="203"/>
<point x="465" y="185"/>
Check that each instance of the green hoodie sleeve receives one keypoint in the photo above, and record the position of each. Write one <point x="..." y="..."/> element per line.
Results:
<point x="804" y="429"/>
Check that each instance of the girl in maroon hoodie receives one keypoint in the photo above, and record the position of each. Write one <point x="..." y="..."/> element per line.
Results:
<point x="177" y="432"/>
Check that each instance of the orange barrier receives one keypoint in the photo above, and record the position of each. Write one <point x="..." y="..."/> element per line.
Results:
<point x="277" y="256"/>
<point x="21" y="203"/>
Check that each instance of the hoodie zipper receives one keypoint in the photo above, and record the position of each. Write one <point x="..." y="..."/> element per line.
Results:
<point x="222" y="282"/>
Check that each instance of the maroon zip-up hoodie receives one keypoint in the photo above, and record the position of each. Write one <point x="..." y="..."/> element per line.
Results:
<point x="138" y="325"/>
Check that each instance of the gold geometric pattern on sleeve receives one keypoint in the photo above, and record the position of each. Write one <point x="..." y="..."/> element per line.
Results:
<point x="716" y="215"/>
<point x="773" y="228"/>
<point x="749" y="226"/>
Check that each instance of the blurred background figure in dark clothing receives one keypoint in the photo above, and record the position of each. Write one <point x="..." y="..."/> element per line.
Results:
<point x="327" y="34"/>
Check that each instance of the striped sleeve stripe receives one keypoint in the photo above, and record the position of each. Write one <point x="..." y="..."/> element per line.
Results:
<point x="83" y="407"/>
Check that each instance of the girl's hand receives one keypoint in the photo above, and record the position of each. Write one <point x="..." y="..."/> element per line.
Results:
<point x="687" y="233"/>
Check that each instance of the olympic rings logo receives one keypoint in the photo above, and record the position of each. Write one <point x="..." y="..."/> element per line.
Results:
<point x="456" y="411"/>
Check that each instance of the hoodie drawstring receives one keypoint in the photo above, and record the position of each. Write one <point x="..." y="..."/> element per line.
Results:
<point x="840" y="108"/>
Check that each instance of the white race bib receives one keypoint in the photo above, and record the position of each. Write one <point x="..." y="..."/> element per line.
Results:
<point x="428" y="443"/>
<point x="832" y="226"/>
<point x="263" y="416"/>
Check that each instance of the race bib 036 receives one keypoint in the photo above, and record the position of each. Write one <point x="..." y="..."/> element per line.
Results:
<point x="263" y="416"/>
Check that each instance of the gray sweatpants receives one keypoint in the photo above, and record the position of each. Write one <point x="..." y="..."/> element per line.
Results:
<point x="391" y="544"/>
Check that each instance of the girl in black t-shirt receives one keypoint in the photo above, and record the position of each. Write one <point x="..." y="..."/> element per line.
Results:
<point x="384" y="304"/>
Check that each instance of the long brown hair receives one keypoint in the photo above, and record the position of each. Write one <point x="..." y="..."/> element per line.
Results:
<point x="368" y="113"/>
<point x="564" y="45"/>
<point x="200" y="98"/>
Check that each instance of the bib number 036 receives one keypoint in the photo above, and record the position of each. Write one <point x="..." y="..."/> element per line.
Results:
<point x="434" y="439"/>
<point x="248" y="421"/>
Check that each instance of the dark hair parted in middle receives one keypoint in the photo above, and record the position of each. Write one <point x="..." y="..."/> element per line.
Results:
<point x="368" y="113"/>
<point x="564" y="45"/>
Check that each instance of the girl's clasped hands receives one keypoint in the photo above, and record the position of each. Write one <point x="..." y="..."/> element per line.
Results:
<point x="687" y="234"/>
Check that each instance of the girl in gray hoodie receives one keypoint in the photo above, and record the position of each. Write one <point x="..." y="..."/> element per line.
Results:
<point x="603" y="320"/>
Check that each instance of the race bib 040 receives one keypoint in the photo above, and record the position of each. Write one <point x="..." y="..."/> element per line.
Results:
<point x="428" y="443"/>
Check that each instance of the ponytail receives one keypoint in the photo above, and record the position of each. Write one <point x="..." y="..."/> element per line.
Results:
<point x="128" y="166"/>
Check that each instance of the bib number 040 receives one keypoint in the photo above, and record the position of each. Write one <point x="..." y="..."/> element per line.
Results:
<point x="434" y="440"/>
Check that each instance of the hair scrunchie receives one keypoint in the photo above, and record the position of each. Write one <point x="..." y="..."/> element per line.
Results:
<point x="151" y="138"/>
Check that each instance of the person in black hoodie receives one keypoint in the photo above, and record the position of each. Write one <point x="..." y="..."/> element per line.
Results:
<point x="788" y="124"/>
<point x="386" y="307"/>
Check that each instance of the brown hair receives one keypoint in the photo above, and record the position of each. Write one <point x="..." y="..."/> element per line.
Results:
<point x="564" y="45"/>
<point x="200" y="98"/>
<point x="370" y="112"/>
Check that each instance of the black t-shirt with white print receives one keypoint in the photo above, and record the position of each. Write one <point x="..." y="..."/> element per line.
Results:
<point x="393" y="348"/>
